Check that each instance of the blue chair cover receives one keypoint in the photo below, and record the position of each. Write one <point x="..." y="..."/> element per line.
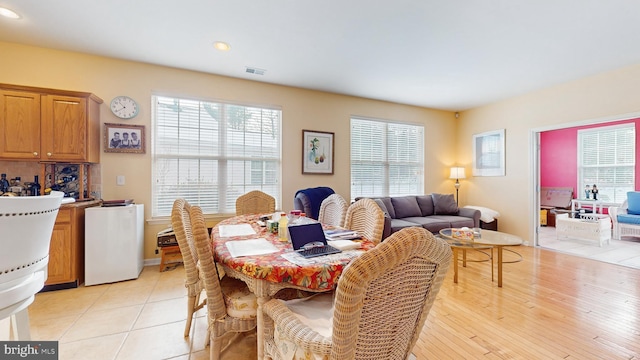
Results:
<point x="315" y="196"/>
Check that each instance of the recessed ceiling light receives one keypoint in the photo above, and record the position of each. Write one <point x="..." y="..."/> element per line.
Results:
<point x="9" y="13"/>
<point x="222" y="46"/>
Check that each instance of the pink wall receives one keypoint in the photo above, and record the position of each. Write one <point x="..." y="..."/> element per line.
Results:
<point x="559" y="156"/>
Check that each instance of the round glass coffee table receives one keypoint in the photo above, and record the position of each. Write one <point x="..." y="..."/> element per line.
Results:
<point x="488" y="240"/>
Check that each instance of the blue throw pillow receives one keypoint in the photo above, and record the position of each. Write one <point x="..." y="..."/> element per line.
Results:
<point x="633" y="202"/>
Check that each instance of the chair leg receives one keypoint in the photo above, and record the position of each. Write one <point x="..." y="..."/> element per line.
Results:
<point x="191" y="304"/>
<point x="216" y="344"/>
<point x="20" y="325"/>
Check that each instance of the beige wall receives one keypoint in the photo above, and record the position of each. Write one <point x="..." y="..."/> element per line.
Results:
<point x="301" y="109"/>
<point x="602" y="97"/>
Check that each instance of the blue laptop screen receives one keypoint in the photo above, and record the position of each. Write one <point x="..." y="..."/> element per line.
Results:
<point x="305" y="234"/>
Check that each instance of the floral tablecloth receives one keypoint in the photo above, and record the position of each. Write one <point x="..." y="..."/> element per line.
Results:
<point x="322" y="275"/>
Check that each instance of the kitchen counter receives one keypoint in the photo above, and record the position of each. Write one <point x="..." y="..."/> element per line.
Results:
<point x="81" y="203"/>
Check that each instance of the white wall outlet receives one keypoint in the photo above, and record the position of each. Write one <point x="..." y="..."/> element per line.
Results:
<point x="120" y="180"/>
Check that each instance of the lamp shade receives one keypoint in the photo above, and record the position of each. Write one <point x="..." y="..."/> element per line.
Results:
<point x="457" y="173"/>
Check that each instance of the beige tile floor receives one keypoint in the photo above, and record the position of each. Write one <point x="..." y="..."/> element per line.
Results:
<point x="136" y="319"/>
<point x="624" y="252"/>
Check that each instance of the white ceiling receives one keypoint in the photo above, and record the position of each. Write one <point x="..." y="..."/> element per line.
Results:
<point x="444" y="54"/>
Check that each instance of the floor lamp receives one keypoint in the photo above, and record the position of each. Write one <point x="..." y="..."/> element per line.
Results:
<point x="457" y="173"/>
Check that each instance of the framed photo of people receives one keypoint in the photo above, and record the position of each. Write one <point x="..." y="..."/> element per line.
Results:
<point x="124" y="138"/>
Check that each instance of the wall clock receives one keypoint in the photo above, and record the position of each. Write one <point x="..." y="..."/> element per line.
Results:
<point x="124" y="107"/>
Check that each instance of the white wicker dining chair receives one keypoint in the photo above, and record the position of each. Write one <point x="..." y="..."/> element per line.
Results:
<point x="255" y="202"/>
<point x="181" y="224"/>
<point x="365" y="217"/>
<point x="27" y="224"/>
<point x="381" y="304"/>
<point x="231" y="307"/>
<point x="333" y="210"/>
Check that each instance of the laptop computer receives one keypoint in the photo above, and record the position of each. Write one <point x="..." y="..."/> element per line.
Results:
<point x="309" y="240"/>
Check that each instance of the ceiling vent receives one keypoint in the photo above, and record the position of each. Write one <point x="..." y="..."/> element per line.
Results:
<point x="255" y="71"/>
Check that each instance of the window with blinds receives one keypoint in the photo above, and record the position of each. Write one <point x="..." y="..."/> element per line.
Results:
<point x="210" y="153"/>
<point x="606" y="158"/>
<point x="387" y="158"/>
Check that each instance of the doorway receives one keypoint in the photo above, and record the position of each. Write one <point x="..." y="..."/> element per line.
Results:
<point x="625" y="252"/>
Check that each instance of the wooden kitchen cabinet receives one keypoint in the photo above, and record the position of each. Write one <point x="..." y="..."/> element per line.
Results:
<point x="66" y="251"/>
<point x="61" y="251"/>
<point x="49" y="125"/>
<point x="19" y="125"/>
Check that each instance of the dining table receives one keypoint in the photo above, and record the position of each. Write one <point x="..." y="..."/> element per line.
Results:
<point x="248" y="251"/>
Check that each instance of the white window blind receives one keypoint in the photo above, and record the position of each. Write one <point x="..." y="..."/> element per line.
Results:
<point x="386" y="158"/>
<point x="606" y="157"/>
<point x="210" y="153"/>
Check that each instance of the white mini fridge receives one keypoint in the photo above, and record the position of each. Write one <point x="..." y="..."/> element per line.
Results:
<point x="114" y="243"/>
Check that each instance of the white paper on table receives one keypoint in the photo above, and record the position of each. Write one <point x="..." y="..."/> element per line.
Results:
<point x="297" y="259"/>
<point x="236" y="230"/>
<point x="250" y="247"/>
<point x="344" y="244"/>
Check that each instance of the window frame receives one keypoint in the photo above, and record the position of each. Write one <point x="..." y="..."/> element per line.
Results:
<point x="610" y="192"/>
<point x="216" y="150"/>
<point x="388" y="161"/>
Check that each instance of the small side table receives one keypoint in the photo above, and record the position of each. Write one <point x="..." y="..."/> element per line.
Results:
<point x="170" y="255"/>
<point x="490" y="225"/>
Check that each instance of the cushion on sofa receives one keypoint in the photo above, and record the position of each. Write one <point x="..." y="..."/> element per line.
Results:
<point x="383" y="207"/>
<point x="629" y="219"/>
<point x="389" y="205"/>
<point x="444" y="204"/>
<point x="432" y="223"/>
<point x="455" y="221"/>
<point x="405" y="206"/>
<point x="399" y="224"/>
<point x="426" y="204"/>
<point x="633" y="202"/>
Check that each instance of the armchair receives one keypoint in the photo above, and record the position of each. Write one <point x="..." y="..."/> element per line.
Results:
<point x="379" y="309"/>
<point x="333" y="210"/>
<point x="255" y="202"/>
<point x="309" y="200"/>
<point x="626" y="218"/>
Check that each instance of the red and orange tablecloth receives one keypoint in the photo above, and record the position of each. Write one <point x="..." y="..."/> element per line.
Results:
<point x="322" y="275"/>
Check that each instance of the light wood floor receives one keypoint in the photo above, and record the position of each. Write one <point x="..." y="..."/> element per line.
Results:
<point x="552" y="306"/>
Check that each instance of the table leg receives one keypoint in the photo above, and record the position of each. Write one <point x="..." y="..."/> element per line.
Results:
<point x="499" y="265"/>
<point x="455" y="265"/>
<point x="464" y="257"/>
<point x="492" y="264"/>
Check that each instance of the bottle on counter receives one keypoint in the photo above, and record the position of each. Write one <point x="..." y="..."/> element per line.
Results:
<point x="17" y="187"/>
<point x="4" y="183"/>
<point x="35" y="187"/>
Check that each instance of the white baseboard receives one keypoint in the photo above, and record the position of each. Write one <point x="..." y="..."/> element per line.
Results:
<point x="151" y="262"/>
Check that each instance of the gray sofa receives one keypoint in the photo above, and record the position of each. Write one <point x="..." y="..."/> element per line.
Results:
<point x="433" y="212"/>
